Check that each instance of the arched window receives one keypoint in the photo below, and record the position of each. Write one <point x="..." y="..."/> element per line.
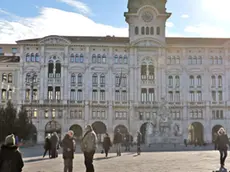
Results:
<point x="58" y="69"/>
<point x="120" y="59"/>
<point x="151" y="72"/>
<point x="50" y="69"/>
<point x="142" y="30"/>
<point x="94" y="58"/>
<point x="81" y="58"/>
<point x="213" y="80"/>
<point x="9" y="78"/>
<point x="102" y="79"/>
<point x="116" y="59"/>
<point x="79" y="79"/>
<point x="117" y="80"/>
<point x="158" y="30"/>
<point x="4" y="77"/>
<point x="98" y="58"/>
<point x="136" y="30"/>
<point x="170" y="80"/>
<point x="125" y="59"/>
<point x="191" y="80"/>
<point x="147" y="30"/>
<point x="77" y="58"/>
<point x="73" y="78"/>
<point x="177" y="78"/>
<point x="27" y="77"/>
<point x="95" y="79"/>
<point x="28" y="57"/>
<point x="152" y="30"/>
<point x="32" y="57"/>
<point x="37" y="57"/>
<point x="124" y="80"/>
<point x="199" y="81"/>
<point x="72" y="58"/>
<point x="104" y="58"/>
<point x="219" y="80"/>
<point x="144" y="71"/>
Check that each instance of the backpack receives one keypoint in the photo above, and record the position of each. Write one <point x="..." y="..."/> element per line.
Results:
<point x="6" y="166"/>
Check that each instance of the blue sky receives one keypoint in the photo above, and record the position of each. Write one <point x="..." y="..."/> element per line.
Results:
<point x="37" y="18"/>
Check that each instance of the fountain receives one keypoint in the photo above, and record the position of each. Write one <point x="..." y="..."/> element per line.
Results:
<point x="163" y="129"/>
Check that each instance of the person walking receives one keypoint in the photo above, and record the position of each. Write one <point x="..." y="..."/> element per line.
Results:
<point x="139" y="139"/>
<point x="222" y="144"/>
<point x="68" y="146"/>
<point x="106" y="144"/>
<point x="10" y="157"/>
<point x="88" y="147"/>
<point x="47" y="145"/>
<point x="127" y="142"/>
<point x="54" y="140"/>
<point x="117" y="141"/>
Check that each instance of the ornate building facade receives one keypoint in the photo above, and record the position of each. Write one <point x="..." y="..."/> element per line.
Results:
<point x="115" y="82"/>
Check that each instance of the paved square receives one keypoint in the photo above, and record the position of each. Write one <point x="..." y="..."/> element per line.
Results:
<point x="191" y="161"/>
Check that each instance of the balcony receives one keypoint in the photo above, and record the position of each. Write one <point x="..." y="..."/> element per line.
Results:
<point x="147" y="82"/>
<point x="217" y="103"/>
<point x="54" y="101"/>
<point x="196" y="103"/>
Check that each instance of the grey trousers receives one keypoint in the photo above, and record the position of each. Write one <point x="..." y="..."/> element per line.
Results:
<point x="68" y="165"/>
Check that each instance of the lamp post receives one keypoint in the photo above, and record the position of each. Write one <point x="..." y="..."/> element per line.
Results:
<point x="31" y="80"/>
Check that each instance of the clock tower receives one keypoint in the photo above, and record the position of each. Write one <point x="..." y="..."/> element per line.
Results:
<point x="147" y="19"/>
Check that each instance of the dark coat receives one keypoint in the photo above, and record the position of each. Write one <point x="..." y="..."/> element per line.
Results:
<point x="10" y="155"/>
<point x="118" y="138"/>
<point x="68" y="147"/>
<point x="107" y="143"/>
<point x="139" y="138"/>
<point x="222" y="142"/>
<point x="47" y="145"/>
<point x="54" y="141"/>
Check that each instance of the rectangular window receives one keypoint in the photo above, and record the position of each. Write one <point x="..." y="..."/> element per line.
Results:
<point x="4" y="94"/>
<point x="151" y="95"/>
<point x="57" y="93"/>
<point x="27" y="94"/>
<point x="50" y="93"/>
<point x="94" y="114"/>
<point x="213" y="96"/>
<point x="35" y="94"/>
<point x="177" y="96"/>
<point x="141" y="116"/>
<point x="147" y="116"/>
<point x="94" y="96"/>
<point x="143" y="94"/>
<point x="53" y="113"/>
<point x="170" y="94"/>
<point x="192" y="96"/>
<point x="199" y="96"/>
<point x="103" y="115"/>
<point x="124" y="95"/>
<point x="102" y="95"/>
<point x="220" y="95"/>
<point x="117" y="95"/>
<point x="79" y="95"/>
<point x="10" y="94"/>
<point x="14" y="50"/>
<point x="46" y="113"/>
<point x="72" y="95"/>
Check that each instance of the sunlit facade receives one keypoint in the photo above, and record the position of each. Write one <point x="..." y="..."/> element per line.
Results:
<point x="114" y="82"/>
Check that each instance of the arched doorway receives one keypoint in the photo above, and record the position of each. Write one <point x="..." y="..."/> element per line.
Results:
<point x="53" y="126"/>
<point x="122" y="128"/>
<point x="100" y="129"/>
<point x="214" y="131"/>
<point x="143" y="129"/>
<point x="77" y="131"/>
<point x="196" y="132"/>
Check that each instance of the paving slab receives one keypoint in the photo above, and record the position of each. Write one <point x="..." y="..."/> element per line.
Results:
<point x="190" y="161"/>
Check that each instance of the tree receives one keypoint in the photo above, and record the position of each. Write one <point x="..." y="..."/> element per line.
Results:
<point x="23" y="124"/>
<point x="10" y="114"/>
<point x="2" y="124"/>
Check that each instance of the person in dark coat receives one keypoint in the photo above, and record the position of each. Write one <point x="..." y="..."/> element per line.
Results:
<point x="54" y="141"/>
<point x="106" y="144"/>
<point x="10" y="157"/>
<point x="68" y="146"/>
<point x="139" y="139"/>
<point x="127" y="142"/>
<point x="47" y="145"/>
<point x="117" y="140"/>
<point x="222" y="144"/>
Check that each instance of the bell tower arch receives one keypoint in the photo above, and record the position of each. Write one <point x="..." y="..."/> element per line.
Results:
<point x="147" y="20"/>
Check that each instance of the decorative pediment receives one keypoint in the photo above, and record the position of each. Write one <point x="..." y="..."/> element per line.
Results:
<point x="54" y="40"/>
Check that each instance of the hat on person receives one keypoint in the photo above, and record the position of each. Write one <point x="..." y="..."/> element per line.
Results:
<point x="10" y="140"/>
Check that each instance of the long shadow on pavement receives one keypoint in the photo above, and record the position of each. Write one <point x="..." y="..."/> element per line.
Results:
<point x="35" y="160"/>
<point x="103" y="158"/>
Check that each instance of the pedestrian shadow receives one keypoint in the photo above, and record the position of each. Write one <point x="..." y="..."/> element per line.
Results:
<point x="135" y="155"/>
<point x="104" y="158"/>
<point x="35" y="160"/>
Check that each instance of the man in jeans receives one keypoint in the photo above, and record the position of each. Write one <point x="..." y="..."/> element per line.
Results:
<point x="68" y="145"/>
<point x="117" y="141"/>
<point x="88" y="147"/>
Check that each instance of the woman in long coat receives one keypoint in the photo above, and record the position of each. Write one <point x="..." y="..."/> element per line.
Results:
<point x="106" y="144"/>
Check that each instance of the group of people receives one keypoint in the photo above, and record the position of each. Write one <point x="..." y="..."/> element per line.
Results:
<point x="51" y="145"/>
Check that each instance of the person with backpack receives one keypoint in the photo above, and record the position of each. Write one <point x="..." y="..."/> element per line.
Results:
<point x="10" y="157"/>
<point x="222" y="144"/>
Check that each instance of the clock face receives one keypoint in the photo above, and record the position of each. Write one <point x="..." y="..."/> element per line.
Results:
<point x="147" y="16"/>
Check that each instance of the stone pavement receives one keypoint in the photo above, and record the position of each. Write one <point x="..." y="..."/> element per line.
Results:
<point x="192" y="161"/>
